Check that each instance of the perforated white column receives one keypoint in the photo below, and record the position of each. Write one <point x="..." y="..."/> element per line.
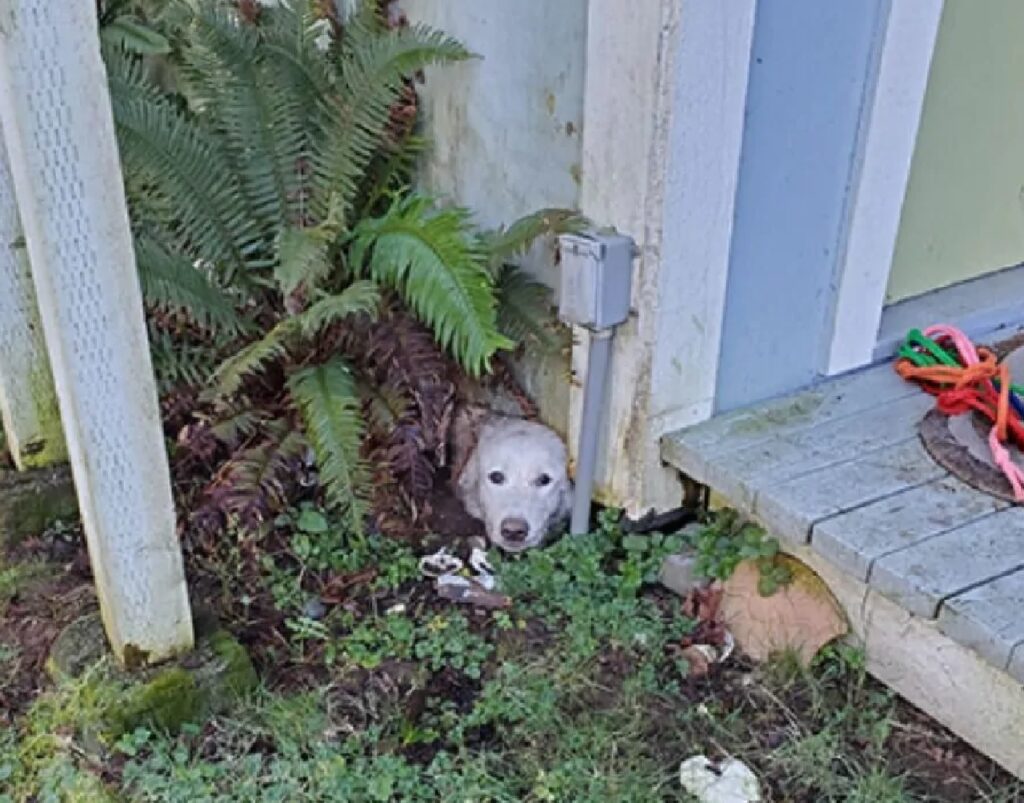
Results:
<point x="28" y="401"/>
<point x="58" y="125"/>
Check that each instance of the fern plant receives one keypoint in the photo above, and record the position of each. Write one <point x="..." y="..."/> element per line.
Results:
<point x="271" y="206"/>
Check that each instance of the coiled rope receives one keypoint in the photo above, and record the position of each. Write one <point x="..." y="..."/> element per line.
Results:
<point x="946" y="364"/>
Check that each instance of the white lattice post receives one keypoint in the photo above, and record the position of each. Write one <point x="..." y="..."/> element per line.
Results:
<point x="58" y="125"/>
<point x="28" y="400"/>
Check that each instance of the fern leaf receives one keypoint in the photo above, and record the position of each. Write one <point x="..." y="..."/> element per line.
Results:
<point x="524" y="311"/>
<point x="254" y="484"/>
<point x="434" y="260"/>
<point x="176" y="363"/>
<point x="358" y="297"/>
<point x="517" y="239"/>
<point x="183" y="165"/>
<point x="231" y="431"/>
<point x="273" y="346"/>
<point x="229" y="85"/>
<point x="289" y="40"/>
<point x="170" y="283"/>
<point x="390" y="173"/>
<point x="134" y="36"/>
<point x="331" y="412"/>
<point x="302" y="258"/>
<point x="354" y="118"/>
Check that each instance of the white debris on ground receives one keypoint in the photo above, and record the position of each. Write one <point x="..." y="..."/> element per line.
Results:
<point x="731" y="781"/>
<point x="440" y="563"/>
<point x="482" y="568"/>
<point x="453" y="582"/>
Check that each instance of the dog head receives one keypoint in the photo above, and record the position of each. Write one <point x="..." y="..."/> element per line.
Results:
<point x="515" y="481"/>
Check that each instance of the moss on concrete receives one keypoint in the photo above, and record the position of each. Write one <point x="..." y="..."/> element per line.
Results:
<point x="48" y="447"/>
<point x="206" y="681"/>
<point x="236" y="675"/>
<point x="168" y="700"/>
<point x="31" y="501"/>
<point x="44" y="444"/>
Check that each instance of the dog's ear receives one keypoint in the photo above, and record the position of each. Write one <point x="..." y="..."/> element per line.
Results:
<point x="467" y="485"/>
<point x="565" y="499"/>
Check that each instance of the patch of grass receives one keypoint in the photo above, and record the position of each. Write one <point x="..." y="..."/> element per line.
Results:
<point x="14" y="579"/>
<point x="571" y="695"/>
<point x="55" y="754"/>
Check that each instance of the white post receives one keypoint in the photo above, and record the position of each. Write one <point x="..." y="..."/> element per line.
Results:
<point x="887" y="145"/>
<point x="58" y="125"/>
<point x="28" y="400"/>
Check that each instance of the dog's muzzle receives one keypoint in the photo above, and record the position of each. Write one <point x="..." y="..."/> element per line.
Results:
<point x="514" y="530"/>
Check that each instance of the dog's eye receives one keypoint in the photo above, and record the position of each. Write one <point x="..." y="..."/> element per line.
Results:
<point x="543" y="480"/>
<point x="496" y="478"/>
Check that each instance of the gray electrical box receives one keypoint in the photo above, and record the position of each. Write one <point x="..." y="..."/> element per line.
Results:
<point x="596" y="275"/>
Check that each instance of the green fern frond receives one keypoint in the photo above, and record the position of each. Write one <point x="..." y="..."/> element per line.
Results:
<point x="232" y="430"/>
<point x="371" y="70"/>
<point x="273" y="346"/>
<point x="170" y="283"/>
<point x="134" y="36"/>
<point x="303" y="257"/>
<point x="358" y="297"/>
<point x="391" y="173"/>
<point x="435" y="261"/>
<point x="516" y="240"/>
<point x="289" y="34"/>
<point x="524" y="312"/>
<point x="185" y="167"/>
<point x="176" y="363"/>
<point x="331" y="411"/>
<point x="230" y="87"/>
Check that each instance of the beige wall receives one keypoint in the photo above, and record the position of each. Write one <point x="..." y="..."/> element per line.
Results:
<point x="506" y="131"/>
<point x="964" y="211"/>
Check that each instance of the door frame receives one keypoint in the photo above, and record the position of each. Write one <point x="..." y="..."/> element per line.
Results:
<point x="888" y="140"/>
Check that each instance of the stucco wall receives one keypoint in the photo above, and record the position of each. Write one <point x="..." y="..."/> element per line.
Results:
<point x="506" y="127"/>
<point x="963" y="215"/>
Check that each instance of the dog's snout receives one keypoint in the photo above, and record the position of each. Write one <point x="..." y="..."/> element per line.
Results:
<point x="514" y="530"/>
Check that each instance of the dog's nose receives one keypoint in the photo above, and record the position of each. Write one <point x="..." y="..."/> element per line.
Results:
<point x="514" y="530"/>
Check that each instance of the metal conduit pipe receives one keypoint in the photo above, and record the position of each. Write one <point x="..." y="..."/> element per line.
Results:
<point x="596" y="279"/>
<point x="598" y="359"/>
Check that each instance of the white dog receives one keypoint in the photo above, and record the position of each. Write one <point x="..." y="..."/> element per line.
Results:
<point x="512" y="476"/>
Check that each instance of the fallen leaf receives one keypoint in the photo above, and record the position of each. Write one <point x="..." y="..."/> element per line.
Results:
<point x="698" y="661"/>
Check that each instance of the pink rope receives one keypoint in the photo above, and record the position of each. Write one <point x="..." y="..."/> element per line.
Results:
<point x="1000" y="454"/>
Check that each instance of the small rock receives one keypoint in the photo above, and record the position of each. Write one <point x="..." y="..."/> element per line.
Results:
<point x="314" y="609"/>
<point x="678" y="574"/>
<point x="732" y="781"/>
<point x="801" y="617"/>
<point x="460" y="589"/>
